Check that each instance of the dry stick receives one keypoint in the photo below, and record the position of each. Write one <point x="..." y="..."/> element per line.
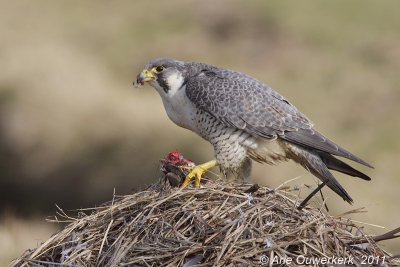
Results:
<point x="386" y="236"/>
<point x="305" y="201"/>
<point x="104" y="239"/>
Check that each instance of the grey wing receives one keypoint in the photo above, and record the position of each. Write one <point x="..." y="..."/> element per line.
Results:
<point x="245" y="103"/>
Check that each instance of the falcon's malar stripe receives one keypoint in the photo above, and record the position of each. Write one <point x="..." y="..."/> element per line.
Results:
<point x="162" y="83"/>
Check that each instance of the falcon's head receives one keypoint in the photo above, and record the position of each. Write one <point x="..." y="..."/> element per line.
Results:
<point x="166" y="75"/>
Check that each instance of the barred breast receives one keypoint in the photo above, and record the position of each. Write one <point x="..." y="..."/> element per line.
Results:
<point x="230" y="144"/>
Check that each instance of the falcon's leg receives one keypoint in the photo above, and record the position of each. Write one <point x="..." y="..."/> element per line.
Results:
<point x="241" y="173"/>
<point x="197" y="172"/>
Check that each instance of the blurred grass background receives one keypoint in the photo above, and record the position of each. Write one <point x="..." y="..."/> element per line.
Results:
<point x="72" y="128"/>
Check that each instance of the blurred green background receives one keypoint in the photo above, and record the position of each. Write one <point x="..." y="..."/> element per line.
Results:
<point x="72" y="128"/>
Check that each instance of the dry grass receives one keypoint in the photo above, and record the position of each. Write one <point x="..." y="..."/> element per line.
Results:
<point x="218" y="225"/>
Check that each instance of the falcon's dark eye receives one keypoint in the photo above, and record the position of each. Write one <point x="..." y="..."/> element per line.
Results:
<point x="159" y="69"/>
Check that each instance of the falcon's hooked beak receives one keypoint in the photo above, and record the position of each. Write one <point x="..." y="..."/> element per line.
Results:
<point x="144" y="76"/>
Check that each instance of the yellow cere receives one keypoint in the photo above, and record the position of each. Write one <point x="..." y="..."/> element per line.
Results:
<point x="148" y="74"/>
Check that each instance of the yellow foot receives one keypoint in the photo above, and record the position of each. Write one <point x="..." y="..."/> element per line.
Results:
<point x="197" y="172"/>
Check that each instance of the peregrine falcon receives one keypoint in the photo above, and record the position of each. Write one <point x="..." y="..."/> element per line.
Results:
<point x="244" y="120"/>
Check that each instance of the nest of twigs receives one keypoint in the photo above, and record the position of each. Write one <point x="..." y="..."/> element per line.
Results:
<point x="219" y="224"/>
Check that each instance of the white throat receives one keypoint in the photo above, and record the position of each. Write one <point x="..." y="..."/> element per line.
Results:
<point x="174" y="81"/>
<point x="177" y="105"/>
